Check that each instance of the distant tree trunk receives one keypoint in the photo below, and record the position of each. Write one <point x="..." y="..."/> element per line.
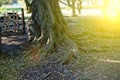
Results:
<point x="68" y="2"/>
<point x="51" y="29"/>
<point x="79" y="6"/>
<point x="73" y="8"/>
<point x="28" y="5"/>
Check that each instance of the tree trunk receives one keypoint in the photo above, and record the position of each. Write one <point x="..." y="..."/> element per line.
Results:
<point x="73" y="8"/>
<point x="28" y="5"/>
<point x="68" y="2"/>
<point x="51" y="29"/>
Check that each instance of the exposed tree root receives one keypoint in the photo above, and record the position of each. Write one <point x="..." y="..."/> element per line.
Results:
<point x="50" y="30"/>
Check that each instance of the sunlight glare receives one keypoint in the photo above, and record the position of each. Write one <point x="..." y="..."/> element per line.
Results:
<point x="111" y="9"/>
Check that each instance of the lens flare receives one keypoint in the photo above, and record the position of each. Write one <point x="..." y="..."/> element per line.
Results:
<point x="111" y="9"/>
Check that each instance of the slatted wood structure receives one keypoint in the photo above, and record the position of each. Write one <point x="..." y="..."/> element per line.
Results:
<point x="12" y="19"/>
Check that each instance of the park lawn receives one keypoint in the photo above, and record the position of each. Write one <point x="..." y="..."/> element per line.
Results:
<point x="98" y="42"/>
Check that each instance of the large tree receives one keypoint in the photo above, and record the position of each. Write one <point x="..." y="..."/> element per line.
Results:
<point x="50" y="30"/>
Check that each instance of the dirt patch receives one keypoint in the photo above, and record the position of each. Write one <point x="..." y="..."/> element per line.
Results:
<point x="11" y="42"/>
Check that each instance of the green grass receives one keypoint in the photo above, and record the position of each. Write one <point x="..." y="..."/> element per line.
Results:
<point x="10" y="67"/>
<point x="9" y="9"/>
<point x="98" y="41"/>
<point x="1" y="9"/>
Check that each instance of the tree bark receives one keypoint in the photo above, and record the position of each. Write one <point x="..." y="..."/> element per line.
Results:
<point x="51" y="29"/>
<point x="68" y="2"/>
<point x="28" y="5"/>
<point x="73" y="8"/>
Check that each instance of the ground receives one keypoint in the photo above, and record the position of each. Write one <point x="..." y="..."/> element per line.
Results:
<point x="12" y="42"/>
<point x="98" y="41"/>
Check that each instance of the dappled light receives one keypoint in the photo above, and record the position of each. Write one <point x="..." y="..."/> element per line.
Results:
<point x="110" y="61"/>
<point x="111" y="9"/>
<point x="81" y="43"/>
<point x="98" y="40"/>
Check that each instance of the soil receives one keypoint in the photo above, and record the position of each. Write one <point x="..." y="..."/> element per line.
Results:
<point x="98" y="42"/>
<point x="12" y="42"/>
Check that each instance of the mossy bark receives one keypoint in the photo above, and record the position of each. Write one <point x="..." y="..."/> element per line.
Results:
<point x="51" y="29"/>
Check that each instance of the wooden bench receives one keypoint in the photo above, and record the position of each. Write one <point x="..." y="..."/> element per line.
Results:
<point x="12" y="18"/>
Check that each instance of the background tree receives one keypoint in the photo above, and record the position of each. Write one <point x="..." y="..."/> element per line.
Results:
<point x="79" y="5"/>
<point x="76" y="4"/>
<point x="105" y="6"/>
<point x="73" y="8"/>
<point x="68" y="2"/>
<point x="5" y="2"/>
<point x="1" y="1"/>
<point x="51" y="30"/>
<point x="28" y="5"/>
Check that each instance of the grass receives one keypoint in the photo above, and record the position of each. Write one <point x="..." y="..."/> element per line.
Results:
<point x="98" y="41"/>
<point x="10" y="67"/>
<point x="2" y="9"/>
